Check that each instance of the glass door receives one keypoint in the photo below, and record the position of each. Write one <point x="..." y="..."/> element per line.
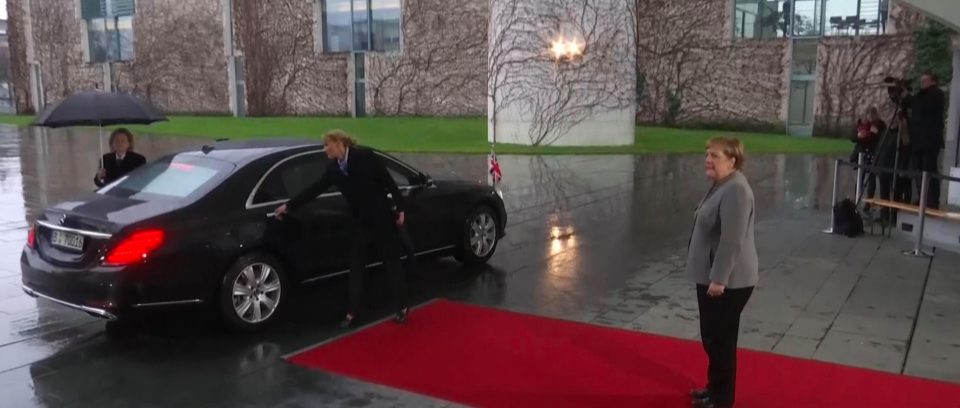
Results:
<point x="360" y="85"/>
<point x="803" y="88"/>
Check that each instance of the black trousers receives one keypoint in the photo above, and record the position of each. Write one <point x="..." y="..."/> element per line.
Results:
<point x="386" y="241"/>
<point x="869" y="179"/>
<point x="928" y="160"/>
<point x="409" y="251"/>
<point x="719" y="327"/>
<point x="903" y="189"/>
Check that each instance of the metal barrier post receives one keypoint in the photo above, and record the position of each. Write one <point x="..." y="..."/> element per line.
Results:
<point x="918" y="247"/>
<point x="833" y="196"/>
<point x="894" y="182"/>
<point x="860" y="158"/>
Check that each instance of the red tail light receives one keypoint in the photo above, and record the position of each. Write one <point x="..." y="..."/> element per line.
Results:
<point x="135" y="248"/>
<point x="32" y="237"/>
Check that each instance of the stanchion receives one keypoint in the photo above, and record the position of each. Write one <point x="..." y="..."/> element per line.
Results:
<point x="833" y="196"/>
<point x="860" y="158"/>
<point x="918" y="246"/>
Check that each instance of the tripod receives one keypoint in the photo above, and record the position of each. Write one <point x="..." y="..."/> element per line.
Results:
<point x="878" y="155"/>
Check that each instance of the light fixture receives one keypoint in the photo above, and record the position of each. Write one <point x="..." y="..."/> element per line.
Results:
<point x="565" y="49"/>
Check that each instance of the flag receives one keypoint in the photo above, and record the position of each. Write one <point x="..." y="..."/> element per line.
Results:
<point x="494" y="170"/>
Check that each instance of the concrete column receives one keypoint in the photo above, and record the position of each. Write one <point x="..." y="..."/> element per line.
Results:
<point x="951" y="161"/>
<point x="950" y="158"/>
<point x="107" y="77"/>
<point x="352" y="84"/>
<point x="541" y="100"/>
<point x="33" y="66"/>
<point x="230" y="55"/>
<point x="944" y="11"/>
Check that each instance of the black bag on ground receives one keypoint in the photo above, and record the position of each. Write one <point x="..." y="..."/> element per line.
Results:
<point x="846" y="219"/>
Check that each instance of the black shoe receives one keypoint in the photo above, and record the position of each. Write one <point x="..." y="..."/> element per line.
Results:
<point x="708" y="403"/>
<point x="401" y="316"/>
<point x="699" y="393"/>
<point x="347" y="321"/>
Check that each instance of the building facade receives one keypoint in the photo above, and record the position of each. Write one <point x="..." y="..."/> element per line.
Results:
<point x="800" y="66"/>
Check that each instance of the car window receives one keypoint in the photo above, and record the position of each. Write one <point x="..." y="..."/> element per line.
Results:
<point x="290" y="178"/>
<point x="174" y="178"/>
<point x="399" y="174"/>
<point x="400" y="179"/>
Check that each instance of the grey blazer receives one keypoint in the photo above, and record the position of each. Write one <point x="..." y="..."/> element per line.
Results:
<point x="722" y="247"/>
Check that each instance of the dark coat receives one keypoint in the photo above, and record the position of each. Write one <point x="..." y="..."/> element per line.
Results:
<point x="364" y="187"/>
<point x="118" y="168"/>
<point x="928" y="108"/>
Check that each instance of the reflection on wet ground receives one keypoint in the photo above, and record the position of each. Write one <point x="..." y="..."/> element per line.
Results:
<point x="598" y="239"/>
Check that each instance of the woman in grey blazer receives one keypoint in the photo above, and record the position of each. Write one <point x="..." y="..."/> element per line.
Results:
<point x="722" y="261"/>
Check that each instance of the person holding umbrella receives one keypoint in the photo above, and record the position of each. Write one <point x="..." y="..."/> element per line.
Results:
<point x="121" y="159"/>
<point x="98" y="108"/>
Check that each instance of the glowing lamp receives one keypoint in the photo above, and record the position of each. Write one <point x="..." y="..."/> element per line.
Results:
<point x="565" y="49"/>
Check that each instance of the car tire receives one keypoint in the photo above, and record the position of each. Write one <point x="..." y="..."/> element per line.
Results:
<point x="479" y="238"/>
<point x="261" y="291"/>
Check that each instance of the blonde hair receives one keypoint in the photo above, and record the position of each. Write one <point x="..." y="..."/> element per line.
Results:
<point x="731" y="147"/>
<point x="339" y="136"/>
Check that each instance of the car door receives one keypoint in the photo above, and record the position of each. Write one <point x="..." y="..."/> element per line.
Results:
<point x="424" y="214"/>
<point x="316" y="234"/>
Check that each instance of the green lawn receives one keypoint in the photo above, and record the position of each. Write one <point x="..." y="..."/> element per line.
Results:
<point x="458" y="135"/>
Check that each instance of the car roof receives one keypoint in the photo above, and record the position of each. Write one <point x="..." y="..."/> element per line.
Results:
<point x="244" y="151"/>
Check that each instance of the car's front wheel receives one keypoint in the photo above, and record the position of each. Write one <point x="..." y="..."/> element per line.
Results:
<point x="479" y="239"/>
<point x="252" y="292"/>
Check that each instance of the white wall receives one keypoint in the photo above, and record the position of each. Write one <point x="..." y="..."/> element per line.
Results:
<point x="944" y="11"/>
<point x="950" y="158"/>
<point x="614" y="128"/>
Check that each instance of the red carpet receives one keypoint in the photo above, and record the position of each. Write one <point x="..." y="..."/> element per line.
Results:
<point x="489" y="358"/>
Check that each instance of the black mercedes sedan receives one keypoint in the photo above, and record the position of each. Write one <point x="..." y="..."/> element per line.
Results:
<point x="197" y="227"/>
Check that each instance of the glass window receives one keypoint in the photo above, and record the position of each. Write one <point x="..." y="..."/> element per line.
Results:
<point x="361" y="28"/>
<point x="292" y="177"/>
<point x="869" y="23"/>
<point x="760" y="19"/>
<point x="91" y="9"/>
<point x="856" y="17"/>
<point x="805" y="18"/>
<point x="804" y="57"/>
<point x="337" y="26"/>
<point x="801" y="102"/>
<point x="386" y="25"/>
<point x="399" y="178"/>
<point x="110" y="39"/>
<point x="361" y="25"/>
<point x="745" y="18"/>
<point x="400" y="174"/>
<point x="809" y="18"/>
<point x="173" y="178"/>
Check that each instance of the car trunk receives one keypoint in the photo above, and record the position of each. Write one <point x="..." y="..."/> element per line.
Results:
<point x="75" y="234"/>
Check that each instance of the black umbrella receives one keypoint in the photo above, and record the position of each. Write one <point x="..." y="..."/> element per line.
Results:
<point x="98" y="108"/>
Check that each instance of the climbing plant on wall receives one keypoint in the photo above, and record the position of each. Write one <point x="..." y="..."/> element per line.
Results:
<point x="932" y="51"/>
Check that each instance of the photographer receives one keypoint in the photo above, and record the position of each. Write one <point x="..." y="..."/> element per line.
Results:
<point x="927" y="112"/>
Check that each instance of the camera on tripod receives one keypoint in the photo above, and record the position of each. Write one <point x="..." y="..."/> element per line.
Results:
<point x="897" y="89"/>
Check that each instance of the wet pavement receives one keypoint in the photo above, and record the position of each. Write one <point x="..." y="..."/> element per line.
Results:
<point x="597" y="239"/>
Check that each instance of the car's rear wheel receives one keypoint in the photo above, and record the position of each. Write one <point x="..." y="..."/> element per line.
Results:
<point x="252" y="292"/>
<point x="479" y="239"/>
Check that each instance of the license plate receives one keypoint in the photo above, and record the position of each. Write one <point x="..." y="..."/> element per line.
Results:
<point x="67" y="240"/>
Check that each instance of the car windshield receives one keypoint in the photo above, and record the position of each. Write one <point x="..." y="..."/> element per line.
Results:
<point x="176" y="177"/>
